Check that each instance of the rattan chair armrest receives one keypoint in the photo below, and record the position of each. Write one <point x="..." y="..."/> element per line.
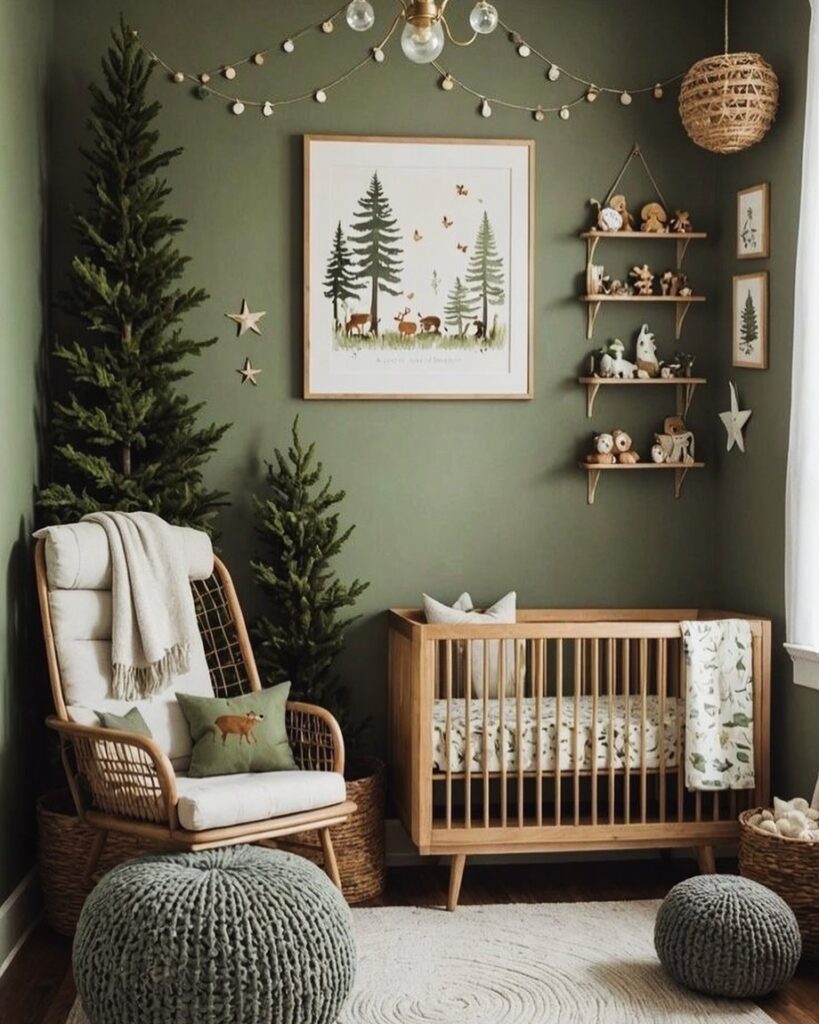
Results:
<point x="156" y="777"/>
<point x="316" y="737"/>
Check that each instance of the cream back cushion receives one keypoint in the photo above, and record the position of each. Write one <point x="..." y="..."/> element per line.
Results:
<point x="78" y="570"/>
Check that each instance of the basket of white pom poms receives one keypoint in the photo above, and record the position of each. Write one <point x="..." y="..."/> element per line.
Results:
<point x="779" y="848"/>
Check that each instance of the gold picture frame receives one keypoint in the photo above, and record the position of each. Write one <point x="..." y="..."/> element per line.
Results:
<point x="426" y="356"/>
<point x="750" y="323"/>
<point x="754" y="222"/>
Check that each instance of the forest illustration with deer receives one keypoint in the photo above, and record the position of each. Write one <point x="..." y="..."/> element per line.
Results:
<point x="437" y="282"/>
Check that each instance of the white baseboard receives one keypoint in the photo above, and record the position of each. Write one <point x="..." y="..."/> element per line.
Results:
<point x="18" y="916"/>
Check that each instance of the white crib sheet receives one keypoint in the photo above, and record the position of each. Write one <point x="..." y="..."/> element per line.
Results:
<point x="505" y="740"/>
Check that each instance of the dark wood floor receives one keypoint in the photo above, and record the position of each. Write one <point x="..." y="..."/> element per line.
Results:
<point x="38" y="987"/>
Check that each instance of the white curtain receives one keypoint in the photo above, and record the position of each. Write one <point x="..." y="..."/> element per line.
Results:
<point x="802" y="540"/>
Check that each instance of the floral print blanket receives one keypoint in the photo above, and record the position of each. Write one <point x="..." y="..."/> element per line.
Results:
<point x="719" y="734"/>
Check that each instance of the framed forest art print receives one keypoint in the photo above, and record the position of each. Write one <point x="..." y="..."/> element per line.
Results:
<point x="750" y="328"/>
<point x="418" y="268"/>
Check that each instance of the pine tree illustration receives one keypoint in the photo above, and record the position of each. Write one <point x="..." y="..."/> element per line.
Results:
<point x="484" y="276"/>
<point x="376" y="239"/>
<point x="460" y="307"/>
<point x="340" y="280"/>
<point x="749" y="329"/>
<point x="123" y="435"/>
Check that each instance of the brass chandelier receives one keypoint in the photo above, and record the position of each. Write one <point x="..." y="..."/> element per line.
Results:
<point x="426" y="27"/>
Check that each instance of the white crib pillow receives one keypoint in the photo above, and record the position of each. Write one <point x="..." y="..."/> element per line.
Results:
<point x="462" y="613"/>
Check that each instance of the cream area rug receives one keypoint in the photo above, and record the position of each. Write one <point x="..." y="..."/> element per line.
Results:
<point x="559" y="963"/>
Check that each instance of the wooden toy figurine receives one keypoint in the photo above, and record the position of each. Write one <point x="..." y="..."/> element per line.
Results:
<point x="643" y="279"/>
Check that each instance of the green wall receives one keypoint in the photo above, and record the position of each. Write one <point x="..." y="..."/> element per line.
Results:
<point x="24" y="40"/>
<point x="446" y="496"/>
<point x="751" y="487"/>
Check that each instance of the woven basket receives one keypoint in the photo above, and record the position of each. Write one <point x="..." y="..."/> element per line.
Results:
<point x="63" y="849"/>
<point x="359" y="842"/>
<point x="788" y="866"/>
<point x="729" y="102"/>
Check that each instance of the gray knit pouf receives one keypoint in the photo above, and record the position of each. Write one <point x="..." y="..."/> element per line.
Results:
<point x="241" y="935"/>
<point x="727" y="936"/>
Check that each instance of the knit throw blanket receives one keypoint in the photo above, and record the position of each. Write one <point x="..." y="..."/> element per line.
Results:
<point x="153" y="617"/>
<point x="719" y="720"/>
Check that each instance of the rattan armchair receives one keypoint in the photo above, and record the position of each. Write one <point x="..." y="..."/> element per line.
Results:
<point x="123" y="782"/>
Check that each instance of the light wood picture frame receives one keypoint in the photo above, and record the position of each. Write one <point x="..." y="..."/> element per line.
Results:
<point x="754" y="222"/>
<point x="445" y="312"/>
<point x="750" y="320"/>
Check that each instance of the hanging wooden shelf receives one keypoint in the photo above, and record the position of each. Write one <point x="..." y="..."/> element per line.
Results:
<point x="686" y="386"/>
<point x="682" y="304"/>
<point x="683" y="240"/>
<point x="679" y="469"/>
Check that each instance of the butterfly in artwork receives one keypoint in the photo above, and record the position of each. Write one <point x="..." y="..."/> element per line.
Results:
<point x="417" y="236"/>
<point x="446" y="221"/>
<point x="462" y="190"/>
<point x="462" y="248"/>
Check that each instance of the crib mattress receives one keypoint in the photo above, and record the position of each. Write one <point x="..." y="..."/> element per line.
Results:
<point x="618" y="737"/>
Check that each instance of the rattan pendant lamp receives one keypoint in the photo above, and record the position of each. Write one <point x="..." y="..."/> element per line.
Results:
<point x="729" y="102"/>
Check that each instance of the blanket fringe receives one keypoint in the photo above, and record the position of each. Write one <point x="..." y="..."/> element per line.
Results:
<point x="137" y="682"/>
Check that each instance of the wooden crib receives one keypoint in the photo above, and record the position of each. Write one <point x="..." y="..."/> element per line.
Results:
<point x="583" y="714"/>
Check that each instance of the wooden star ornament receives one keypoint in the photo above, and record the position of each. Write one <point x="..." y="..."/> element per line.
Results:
<point x="735" y="420"/>
<point x="249" y="372"/>
<point x="245" y="320"/>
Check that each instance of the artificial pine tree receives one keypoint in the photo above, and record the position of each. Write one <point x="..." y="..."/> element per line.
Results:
<point x="484" y="276"/>
<point x="124" y="437"/>
<point x="749" y="328"/>
<point x="459" y="307"/>
<point x="376" y="242"/>
<point x="299" y="527"/>
<point x="340" y="279"/>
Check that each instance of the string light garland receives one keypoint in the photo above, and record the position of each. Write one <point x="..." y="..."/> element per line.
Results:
<point x="203" y="81"/>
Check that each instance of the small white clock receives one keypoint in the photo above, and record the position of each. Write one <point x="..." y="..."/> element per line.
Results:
<point x="609" y="219"/>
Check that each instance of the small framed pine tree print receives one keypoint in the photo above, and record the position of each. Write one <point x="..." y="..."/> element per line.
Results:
<point x="750" y="327"/>
<point x="418" y="268"/>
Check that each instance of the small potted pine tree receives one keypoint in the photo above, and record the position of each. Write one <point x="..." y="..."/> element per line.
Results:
<point x="298" y="523"/>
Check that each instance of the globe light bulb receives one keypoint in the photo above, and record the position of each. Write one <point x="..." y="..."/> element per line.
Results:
<point x="422" y="44"/>
<point x="483" y="18"/>
<point x="360" y="15"/>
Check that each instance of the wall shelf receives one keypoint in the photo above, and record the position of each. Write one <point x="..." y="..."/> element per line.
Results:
<point x="683" y="240"/>
<point x="686" y="386"/>
<point x="681" y="303"/>
<point x="679" y="469"/>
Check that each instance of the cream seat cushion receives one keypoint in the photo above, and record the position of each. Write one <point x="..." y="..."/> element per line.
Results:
<point x="223" y="800"/>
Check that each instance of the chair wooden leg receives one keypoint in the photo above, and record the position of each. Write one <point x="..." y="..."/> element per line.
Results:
<point x="330" y="862"/>
<point x="706" y="861"/>
<point x="97" y="847"/>
<point x="456" y="876"/>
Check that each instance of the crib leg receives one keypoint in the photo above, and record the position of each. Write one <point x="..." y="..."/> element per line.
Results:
<point x="705" y="860"/>
<point x="456" y="876"/>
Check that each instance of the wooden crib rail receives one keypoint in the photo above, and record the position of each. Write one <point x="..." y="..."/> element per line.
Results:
<point x="565" y="729"/>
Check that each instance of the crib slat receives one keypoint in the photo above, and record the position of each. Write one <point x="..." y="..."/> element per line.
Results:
<point x="611" y="670"/>
<point x="468" y="737"/>
<point x="540" y="664"/>
<point x="627" y="710"/>
<point x="558" y="725"/>
<point x="448" y="752"/>
<point x="662" y="662"/>
<point x="643" y="710"/>
<point x="486" y="731"/>
<point x="680" y="720"/>
<point x="501" y="698"/>
<point x="578" y="683"/>
<point x="595" y="685"/>
<point x="518" y="742"/>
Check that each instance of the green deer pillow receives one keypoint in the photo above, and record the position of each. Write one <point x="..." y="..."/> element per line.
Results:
<point x="238" y="734"/>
